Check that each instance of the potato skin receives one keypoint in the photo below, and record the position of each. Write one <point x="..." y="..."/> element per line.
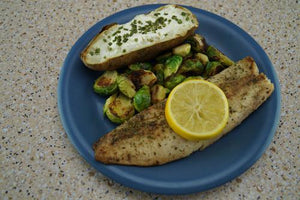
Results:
<point x="140" y="55"/>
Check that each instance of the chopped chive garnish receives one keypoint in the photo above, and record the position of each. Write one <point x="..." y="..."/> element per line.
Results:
<point x="97" y="51"/>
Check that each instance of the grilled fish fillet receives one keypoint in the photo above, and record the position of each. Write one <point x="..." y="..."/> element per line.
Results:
<point x="146" y="139"/>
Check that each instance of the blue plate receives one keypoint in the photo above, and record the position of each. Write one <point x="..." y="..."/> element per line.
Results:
<point x="81" y="114"/>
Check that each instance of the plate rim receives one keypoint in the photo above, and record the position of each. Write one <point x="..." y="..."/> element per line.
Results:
<point x="169" y="191"/>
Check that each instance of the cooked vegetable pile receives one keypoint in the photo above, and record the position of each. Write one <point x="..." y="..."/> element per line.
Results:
<point x="140" y="85"/>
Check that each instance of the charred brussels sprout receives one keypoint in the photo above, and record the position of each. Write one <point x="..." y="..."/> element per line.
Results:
<point x="170" y="84"/>
<point x="158" y="93"/>
<point x="137" y="66"/>
<point x="216" y="55"/>
<point x="172" y="65"/>
<point x="126" y="86"/>
<point x="142" y="77"/>
<point x="159" y="72"/>
<point x="142" y="98"/>
<point x="164" y="57"/>
<point x="108" y="101"/>
<point x="191" y="66"/>
<point x="198" y="43"/>
<point x="119" y="108"/>
<point x="106" y="84"/>
<point x="182" y="50"/>
<point x="202" y="58"/>
<point x="213" y="68"/>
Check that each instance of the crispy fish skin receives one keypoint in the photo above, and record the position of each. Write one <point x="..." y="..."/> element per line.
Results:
<point x="146" y="139"/>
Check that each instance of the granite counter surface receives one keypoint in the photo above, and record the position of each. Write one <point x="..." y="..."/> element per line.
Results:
<point x="37" y="160"/>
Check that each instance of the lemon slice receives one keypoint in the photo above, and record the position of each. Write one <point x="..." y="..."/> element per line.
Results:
<point x="197" y="109"/>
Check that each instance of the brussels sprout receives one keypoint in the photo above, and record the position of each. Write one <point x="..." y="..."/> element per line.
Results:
<point x="172" y="65"/>
<point x="108" y="101"/>
<point x="216" y="55"/>
<point x="164" y="57"/>
<point x="159" y="72"/>
<point x="126" y="86"/>
<point x="142" y="77"/>
<point x="170" y="84"/>
<point x="212" y="68"/>
<point x="191" y="66"/>
<point x="142" y="98"/>
<point x="202" y="57"/>
<point x="190" y="55"/>
<point x="112" y="117"/>
<point x="137" y="66"/>
<point x="182" y="50"/>
<point x="158" y="93"/>
<point x="119" y="108"/>
<point x="106" y="84"/>
<point x="198" y="43"/>
<point x="193" y="78"/>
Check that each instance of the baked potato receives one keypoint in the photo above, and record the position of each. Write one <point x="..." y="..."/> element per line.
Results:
<point x="141" y="39"/>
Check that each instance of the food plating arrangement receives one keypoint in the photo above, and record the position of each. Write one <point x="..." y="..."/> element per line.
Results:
<point x="170" y="90"/>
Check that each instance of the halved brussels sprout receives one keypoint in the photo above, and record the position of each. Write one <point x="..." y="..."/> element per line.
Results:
<point x="159" y="72"/>
<point x="170" y="84"/>
<point x="213" y="68"/>
<point x="182" y="50"/>
<point x="119" y="108"/>
<point x="137" y="66"/>
<point x="198" y="43"/>
<point x="216" y="55"/>
<point x="142" y="77"/>
<point x="202" y="57"/>
<point x="172" y="65"/>
<point x="142" y="98"/>
<point x="108" y="101"/>
<point x="158" y="93"/>
<point x="190" y="55"/>
<point x="191" y="66"/>
<point x="106" y="84"/>
<point x="126" y="86"/>
<point x="163" y="57"/>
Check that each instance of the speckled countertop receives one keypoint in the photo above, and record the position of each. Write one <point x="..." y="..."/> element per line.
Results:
<point x="36" y="158"/>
